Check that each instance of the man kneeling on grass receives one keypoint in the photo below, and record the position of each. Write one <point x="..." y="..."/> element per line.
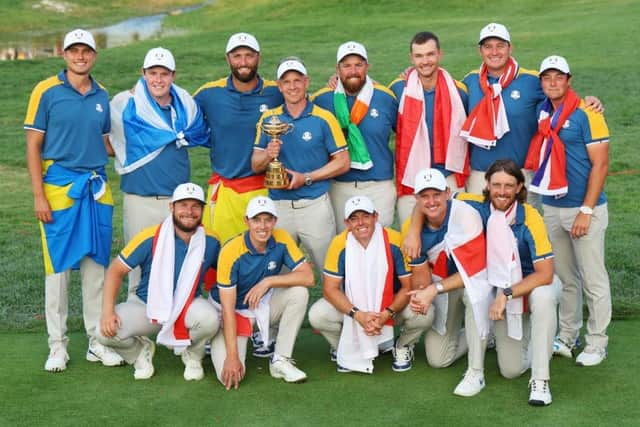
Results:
<point x="365" y="284"/>
<point x="252" y="289"/>
<point x="173" y="257"/>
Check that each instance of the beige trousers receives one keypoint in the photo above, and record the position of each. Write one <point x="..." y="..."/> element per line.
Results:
<point x="382" y="193"/>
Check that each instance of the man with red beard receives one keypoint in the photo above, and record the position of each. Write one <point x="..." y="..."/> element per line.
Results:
<point x="172" y="257"/>
<point x="366" y="112"/>
<point x="232" y="107"/>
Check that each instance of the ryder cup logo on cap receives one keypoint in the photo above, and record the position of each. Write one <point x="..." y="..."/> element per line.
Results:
<point x="351" y="48"/>
<point x="494" y="30"/>
<point x="555" y="62"/>
<point x="78" y="36"/>
<point x="358" y="203"/>
<point x="159" y="57"/>
<point x="429" y="178"/>
<point x="291" y="64"/>
<point x="242" y="39"/>
<point x="188" y="190"/>
<point x="261" y="204"/>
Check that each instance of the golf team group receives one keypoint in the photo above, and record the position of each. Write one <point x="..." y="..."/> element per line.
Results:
<point x="496" y="181"/>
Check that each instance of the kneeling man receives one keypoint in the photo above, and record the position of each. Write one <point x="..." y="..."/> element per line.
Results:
<point x="365" y="285"/>
<point x="172" y="257"/>
<point x="251" y="289"/>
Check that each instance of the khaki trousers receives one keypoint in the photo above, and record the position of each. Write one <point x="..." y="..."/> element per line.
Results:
<point x="382" y="193"/>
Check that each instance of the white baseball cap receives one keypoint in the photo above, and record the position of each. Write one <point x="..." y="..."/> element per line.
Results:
<point x="79" y="36"/>
<point x="291" y="64"/>
<point x="188" y="190"/>
<point x="429" y="178"/>
<point x="494" y="30"/>
<point x="351" y="48"/>
<point x="358" y="203"/>
<point x="555" y="62"/>
<point x="261" y="204"/>
<point x="159" y="56"/>
<point x="242" y="39"/>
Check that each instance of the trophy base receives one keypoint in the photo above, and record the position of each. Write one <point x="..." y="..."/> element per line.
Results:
<point x="276" y="185"/>
<point x="276" y="177"/>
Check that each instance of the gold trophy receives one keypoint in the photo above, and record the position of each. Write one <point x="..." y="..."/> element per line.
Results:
<point x="276" y="174"/>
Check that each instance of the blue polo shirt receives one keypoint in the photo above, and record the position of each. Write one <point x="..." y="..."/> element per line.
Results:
<point x="138" y="253"/>
<point x="521" y="98"/>
<point x="232" y="116"/>
<point x="334" y="261"/>
<point x="398" y="85"/>
<point x="73" y="124"/>
<point x="314" y="138"/>
<point x="429" y="238"/>
<point x="376" y="128"/>
<point x="161" y="175"/>
<point x="583" y="128"/>
<point x="242" y="266"/>
<point x="528" y="228"/>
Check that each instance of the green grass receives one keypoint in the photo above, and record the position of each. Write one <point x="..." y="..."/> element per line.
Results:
<point x="600" y="58"/>
<point x="89" y="394"/>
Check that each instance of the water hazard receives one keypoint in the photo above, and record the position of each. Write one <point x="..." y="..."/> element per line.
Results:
<point x="30" y="46"/>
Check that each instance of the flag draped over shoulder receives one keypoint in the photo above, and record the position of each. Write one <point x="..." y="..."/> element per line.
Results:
<point x="413" y="145"/>
<point x="140" y="130"/>
<point x="165" y="305"/>
<point x="349" y="121"/>
<point x="82" y="209"/>
<point x="546" y="154"/>
<point x="487" y="122"/>
<point x="466" y="244"/>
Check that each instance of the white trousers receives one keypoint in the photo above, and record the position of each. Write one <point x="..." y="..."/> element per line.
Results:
<point x="56" y="301"/>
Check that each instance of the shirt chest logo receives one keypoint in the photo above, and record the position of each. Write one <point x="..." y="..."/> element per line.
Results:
<point x="263" y="108"/>
<point x="271" y="265"/>
<point x="99" y="108"/>
<point x="566" y="125"/>
<point x="515" y="95"/>
<point x="307" y="136"/>
<point x="374" y="113"/>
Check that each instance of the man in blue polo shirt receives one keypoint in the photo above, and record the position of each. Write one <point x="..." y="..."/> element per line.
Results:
<point x="575" y="207"/>
<point x="232" y="107"/>
<point x="365" y="285"/>
<point x="314" y="151"/>
<point x="173" y="257"/>
<point x="367" y="113"/>
<point x="251" y="290"/>
<point x="151" y="127"/>
<point x="433" y="108"/>
<point x="67" y="124"/>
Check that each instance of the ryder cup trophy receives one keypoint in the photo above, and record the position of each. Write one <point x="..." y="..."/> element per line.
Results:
<point x="276" y="174"/>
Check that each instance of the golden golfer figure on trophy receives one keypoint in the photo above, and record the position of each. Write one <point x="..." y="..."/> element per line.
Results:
<point x="276" y="174"/>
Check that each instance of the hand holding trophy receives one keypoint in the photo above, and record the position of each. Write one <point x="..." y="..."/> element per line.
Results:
<point x="276" y="174"/>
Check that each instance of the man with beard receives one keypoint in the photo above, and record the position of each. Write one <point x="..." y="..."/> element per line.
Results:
<point x="574" y="140"/>
<point x="366" y="112"/>
<point x="314" y="151"/>
<point x="66" y="125"/>
<point x="172" y="257"/>
<point x="152" y="126"/>
<point x="520" y="272"/>
<point x="365" y="285"/>
<point x="431" y="114"/>
<point x="232" y="107"/>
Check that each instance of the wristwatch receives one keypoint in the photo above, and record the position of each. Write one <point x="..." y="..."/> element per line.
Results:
<point x="586" y="210"/>
<point x="391" y="312"/>
<point x="439" y="287"/>
<point x="353" y="311"/>
<point x="508" y="292"/>
<point x="307" y="179"/>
